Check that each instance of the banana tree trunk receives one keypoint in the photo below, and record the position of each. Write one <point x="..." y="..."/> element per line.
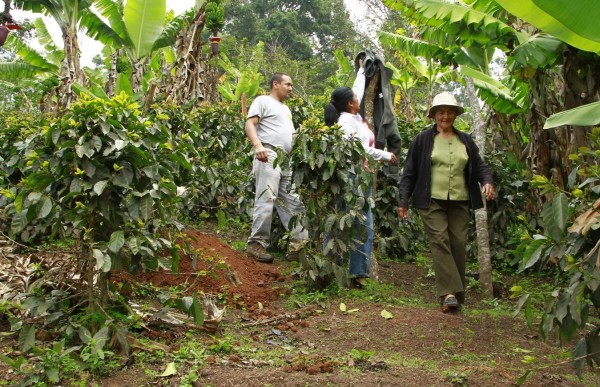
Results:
<point x="546" y="148"/>
<point x="112" y="74"/>
<point x="138" y="69"/>
<point x="579" y="88"/>
<point x="70" y="70"/>
<point x="194" y="79"/>
<point x="481" y="220"/>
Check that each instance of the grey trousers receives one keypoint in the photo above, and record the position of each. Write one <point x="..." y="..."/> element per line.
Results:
<point x="272" y="193"/>
<point x="447" y="224"/>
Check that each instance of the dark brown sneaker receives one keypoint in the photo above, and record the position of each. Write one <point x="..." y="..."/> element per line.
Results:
<point x="258" y="253"/>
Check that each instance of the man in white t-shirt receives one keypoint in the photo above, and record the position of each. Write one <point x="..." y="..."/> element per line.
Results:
<point x="269" y="126"/>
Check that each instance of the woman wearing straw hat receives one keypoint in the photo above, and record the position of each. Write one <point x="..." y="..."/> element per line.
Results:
<point x="442" y="173"/>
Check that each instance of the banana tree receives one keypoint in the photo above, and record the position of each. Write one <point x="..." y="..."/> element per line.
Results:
<point x="193" y="80"/>
<point x="243" y="78"/>
<point x="530" y="83"/>
<point x="34" y="67"/>
<point x="68" y="14"/>
<point x="138" y="31"/>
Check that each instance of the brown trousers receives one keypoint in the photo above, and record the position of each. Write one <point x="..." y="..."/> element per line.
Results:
<point x="447" y="224"/>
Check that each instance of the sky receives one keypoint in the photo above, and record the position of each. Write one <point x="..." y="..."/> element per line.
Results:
<point x="90" y="48"/>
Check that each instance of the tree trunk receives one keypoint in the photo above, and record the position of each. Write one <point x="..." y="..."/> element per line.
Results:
<point x="545" y="156"/>
<point x="112" y="74"/>
<point x="580" y="87"/>
<point x="481" y="222"/>
<point x="138" y="69"/>
<point x="70" y="70"/>
<point x="194" y="80"/>
<point x="369" y="111"/>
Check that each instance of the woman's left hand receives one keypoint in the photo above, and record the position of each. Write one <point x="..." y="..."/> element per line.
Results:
<point x="393" y="159"/>
<point x="488" y="191"/>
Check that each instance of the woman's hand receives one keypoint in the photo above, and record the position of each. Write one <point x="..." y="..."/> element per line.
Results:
<point x="488" y="191"/>
<point x="402" y="212"/>
<point x="393" y="159"/>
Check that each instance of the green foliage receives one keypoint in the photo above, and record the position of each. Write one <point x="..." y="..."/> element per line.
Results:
<point x="571" y="246"/>
<point x="508" y="218"/>
<point x="242" y="77"/>
<point x="578" y="29"/>
<point x="15" y="127"/>
<point x="103" y="174"/>
<point x="46" y="364"/>
<point x="217" y="177"/>
<point x="396" y="239"/>
<point x="334" y="196"/>
<point x="144" y="20"/>
<point x="585" y="115"/>
<point x="361" y="355"/>
<point x="299" y="28"/>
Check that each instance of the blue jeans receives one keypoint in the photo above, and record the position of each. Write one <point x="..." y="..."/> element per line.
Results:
<point x="360" y="255"/>
<point x="272" y="193"/>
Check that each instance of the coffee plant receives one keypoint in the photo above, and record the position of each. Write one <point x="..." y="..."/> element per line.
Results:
<point x="104" y="175"/>
<point x="217" y="176"/>
<point x="330" y="178"/>
<point x="569" y="243"/>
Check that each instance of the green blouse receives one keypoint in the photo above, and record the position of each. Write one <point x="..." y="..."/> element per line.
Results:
<point x="448" y="160"/>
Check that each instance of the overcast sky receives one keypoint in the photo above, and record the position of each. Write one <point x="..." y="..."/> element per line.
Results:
<point x="90" y="48"/>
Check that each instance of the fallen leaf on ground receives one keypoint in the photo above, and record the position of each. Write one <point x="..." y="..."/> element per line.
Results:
<point x="386" y="315"/>
<point x="170" y="370"/>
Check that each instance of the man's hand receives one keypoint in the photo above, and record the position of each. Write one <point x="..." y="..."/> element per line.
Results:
<point x="260" y="152"/>
<point x="402" y="212"/>
<point x="488" y="191"/>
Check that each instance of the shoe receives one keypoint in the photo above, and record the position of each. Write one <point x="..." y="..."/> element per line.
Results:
<point x="449" y="304"/>
<point x="359" y="282"/>
<point x="258" y="253"/>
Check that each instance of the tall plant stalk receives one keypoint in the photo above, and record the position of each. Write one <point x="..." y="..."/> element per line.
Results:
<point x="481" y="219"/>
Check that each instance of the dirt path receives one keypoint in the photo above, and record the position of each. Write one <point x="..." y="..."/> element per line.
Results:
<point x="275" y="333"/>
<point x="271" y="344"/>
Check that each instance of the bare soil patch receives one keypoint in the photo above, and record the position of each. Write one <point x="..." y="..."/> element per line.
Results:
<point x="318" y="344"/>
<point x="218" y="269"/>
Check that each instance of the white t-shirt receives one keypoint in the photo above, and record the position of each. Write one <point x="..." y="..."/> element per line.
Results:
<point x="275" y="126"/>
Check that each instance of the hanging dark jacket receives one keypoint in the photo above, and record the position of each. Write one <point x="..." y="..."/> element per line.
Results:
<point x="386" y="127"/>
<point x="416" y="176"/>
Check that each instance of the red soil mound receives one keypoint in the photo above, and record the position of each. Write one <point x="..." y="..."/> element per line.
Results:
<point x="219" y="270"/>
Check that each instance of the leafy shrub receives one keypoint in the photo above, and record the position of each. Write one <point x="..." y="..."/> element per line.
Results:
<point x="321" y="159"/>
<point x="570" y="243"/>
<point x="217" y="177"/>
<point x="396" y="239"/>
<point x="14" y="129"/>
<point x="102" y="174"/>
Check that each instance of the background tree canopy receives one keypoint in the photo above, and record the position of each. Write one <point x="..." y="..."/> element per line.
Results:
<point x="302" y="28"/>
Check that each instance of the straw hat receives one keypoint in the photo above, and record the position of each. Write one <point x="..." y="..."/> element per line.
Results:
<point x="445" y="99"/>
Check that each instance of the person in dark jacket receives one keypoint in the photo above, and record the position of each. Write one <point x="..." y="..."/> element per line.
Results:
<point x="377" y="106"/>
<point x="442" y="173"/>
